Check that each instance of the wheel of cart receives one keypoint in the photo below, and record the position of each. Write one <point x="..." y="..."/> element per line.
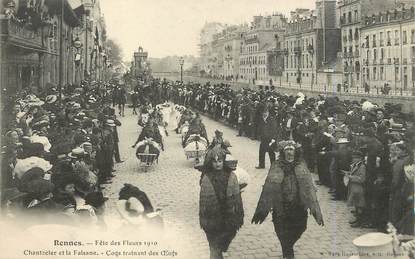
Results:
<point x="197" y="155"/>
<point x="147" y="153"/>
<point x="146" y="160"/>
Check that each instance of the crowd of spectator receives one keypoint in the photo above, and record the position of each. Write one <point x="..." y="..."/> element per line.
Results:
<point x="58" y="153"/>
<point x="363" y="152"/>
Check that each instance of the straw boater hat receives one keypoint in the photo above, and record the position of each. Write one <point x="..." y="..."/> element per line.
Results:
<point x="132" y="210"/>
<point x="77" y="153"/>
<point x="51" y="98"/>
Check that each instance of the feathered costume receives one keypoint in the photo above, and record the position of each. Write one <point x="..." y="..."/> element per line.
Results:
<point x="220" y="206"/>
<point x="289" y="192"/>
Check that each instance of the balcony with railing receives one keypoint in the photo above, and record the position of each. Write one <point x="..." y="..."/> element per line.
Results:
<point x="21" y="34"/>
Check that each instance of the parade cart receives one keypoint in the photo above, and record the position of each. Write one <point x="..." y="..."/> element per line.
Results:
<point x="147" y="153"/>
<point x="195" y="147"/>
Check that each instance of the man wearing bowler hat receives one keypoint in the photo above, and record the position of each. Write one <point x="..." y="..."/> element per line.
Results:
<point x="268" y="126"/>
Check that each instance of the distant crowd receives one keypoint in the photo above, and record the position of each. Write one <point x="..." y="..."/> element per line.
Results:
<point x="362" y="151"/>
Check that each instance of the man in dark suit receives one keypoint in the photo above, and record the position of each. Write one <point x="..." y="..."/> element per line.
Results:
<point x="267" y="129"/>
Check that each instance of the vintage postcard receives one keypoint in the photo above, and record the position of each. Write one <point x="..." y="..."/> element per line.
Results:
<point x="207" y="129"/>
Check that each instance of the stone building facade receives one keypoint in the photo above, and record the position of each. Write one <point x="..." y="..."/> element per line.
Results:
<point x="388" y="49"/>
<point x="351" y="15"/>
<point x="36" y="45"/>
<point x="49" y="43"/>
<point x="256" y="45"/>
<point x="311" y="43"/>
<point x="231" y="40"/>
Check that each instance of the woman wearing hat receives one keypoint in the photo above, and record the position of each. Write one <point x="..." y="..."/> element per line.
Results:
<point x="41" y="192"/>
<point x="289" y="193"/>
<point x="65" y="191"/>
<point x="221" y="211"/>
<point x="323" y="143"/>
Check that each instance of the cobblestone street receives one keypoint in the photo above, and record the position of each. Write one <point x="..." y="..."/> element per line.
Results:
<point x="173" y="186"/>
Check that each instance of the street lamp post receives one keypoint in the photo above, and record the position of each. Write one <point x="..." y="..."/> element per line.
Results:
<point x="310" y="50"/>
<point x="181" y="62"/>
<point x="77" y="44"/>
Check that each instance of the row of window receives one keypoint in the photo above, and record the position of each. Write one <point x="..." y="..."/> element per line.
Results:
<point x="303" y="74"/>
<point x="293" y="62"/>
<point x="357" y="77"/>
<point x="253" y="60"/>
<point x="350" y="17"/>
<point x="351" y="35"/>
<point x="380" y="54"/>
<point x="379" y="73"/>
<point x="372" y="40"/>
<point x="300" y="26"/>
<point x="251" y="48"/>
<point x="302" y="43"/>
<point x="258" y="70"/>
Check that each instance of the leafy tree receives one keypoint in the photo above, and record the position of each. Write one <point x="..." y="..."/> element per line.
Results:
<point x="115" y="52"/>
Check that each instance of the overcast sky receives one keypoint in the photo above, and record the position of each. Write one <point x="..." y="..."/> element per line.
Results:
<point x="172" y="27"/>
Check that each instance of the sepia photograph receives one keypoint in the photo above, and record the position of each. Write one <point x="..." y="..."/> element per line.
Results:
<point x="207" y="129"/>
